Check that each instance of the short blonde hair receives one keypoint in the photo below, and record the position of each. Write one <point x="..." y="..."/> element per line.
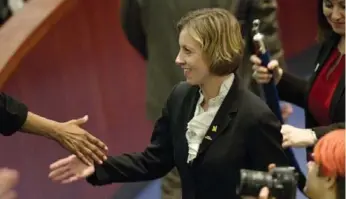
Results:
<point x="219" y="34"/>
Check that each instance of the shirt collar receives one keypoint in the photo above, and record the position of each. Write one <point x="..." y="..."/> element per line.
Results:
<point x="224" y="88"/>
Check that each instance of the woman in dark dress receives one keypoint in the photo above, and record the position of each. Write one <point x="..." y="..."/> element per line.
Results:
<point x="323" y="95"/>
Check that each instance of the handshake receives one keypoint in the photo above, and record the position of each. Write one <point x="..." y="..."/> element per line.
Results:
<point x="87" y="149"/>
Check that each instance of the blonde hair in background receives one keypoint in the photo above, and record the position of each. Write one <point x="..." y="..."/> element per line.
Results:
<point x="219" y="34"/>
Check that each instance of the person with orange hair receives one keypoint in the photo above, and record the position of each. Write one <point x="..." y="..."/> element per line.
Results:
<point x="326" y="170"/>
<point x="326" y="173"/>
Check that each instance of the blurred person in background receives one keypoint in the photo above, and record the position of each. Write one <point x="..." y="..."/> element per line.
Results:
<point x="150" y="26"/>
<point x="211" y="126"/>
<point x="323" y="95"/>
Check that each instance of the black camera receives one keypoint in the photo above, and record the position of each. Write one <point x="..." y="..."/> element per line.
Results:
<point x="281" y="181"/>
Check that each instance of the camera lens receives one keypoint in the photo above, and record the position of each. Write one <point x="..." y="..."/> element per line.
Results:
<point x="281" y="181"/>
<point x="251" y="182"/>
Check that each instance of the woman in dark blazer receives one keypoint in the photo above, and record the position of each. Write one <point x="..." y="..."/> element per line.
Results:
<point x="323" y="95"/>
<point x="211" y="126"/>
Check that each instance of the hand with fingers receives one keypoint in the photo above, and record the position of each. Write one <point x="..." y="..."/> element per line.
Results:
<point x="70" y="169"/>
<point x="297" y="137"/>
<point x="263" y="74"/>
<point x="79" y="142"/>
<point x="264" y="194"/>
<point x="8" y="179"/>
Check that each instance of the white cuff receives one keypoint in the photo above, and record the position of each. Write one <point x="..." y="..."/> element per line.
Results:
<point x="313" y="135"/>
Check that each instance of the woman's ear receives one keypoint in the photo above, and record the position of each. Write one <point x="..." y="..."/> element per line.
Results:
<point x="329" y="182"/>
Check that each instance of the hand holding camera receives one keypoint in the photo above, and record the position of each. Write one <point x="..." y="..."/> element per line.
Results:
<point x="264" y="194"/>
<point x="279" y="183"/>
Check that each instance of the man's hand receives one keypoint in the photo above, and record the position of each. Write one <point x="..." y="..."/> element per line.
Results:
<point x="79" y="142"/>
<point x="70" y="135"/>
<point x="8" y="179"/>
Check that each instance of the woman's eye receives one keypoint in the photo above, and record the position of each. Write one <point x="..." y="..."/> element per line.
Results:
<point x="328" y="4"/>
<point x="187" y="50"/>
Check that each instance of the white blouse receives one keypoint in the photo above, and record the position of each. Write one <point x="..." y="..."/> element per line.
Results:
<point x="199" y="124"/>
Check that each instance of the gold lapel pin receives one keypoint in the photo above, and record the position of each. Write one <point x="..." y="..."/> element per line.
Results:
<point x="214" y="129"/>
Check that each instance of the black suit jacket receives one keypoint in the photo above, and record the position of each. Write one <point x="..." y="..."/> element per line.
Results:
<point x="247" y="136"/>
<point x="12" y="114"/>
<point x="297" y="90"/>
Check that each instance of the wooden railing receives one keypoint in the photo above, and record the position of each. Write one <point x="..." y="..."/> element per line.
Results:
<point x="65" y="59"/>
<point x="25" y="29"/>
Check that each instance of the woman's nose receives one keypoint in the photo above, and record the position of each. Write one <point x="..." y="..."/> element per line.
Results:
<point x="337" y="13"/>
<point x="178" y="60"/>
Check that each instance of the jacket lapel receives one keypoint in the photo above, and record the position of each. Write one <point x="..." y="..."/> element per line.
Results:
<point x="190" y="105"/>
<point x="222" y="118"/>
<point x="186" y="114"/>
<point x="322" y="57"/>
<point x="339" y="91"/>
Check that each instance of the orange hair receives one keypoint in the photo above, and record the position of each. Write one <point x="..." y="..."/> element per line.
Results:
<point x="329" y="153"/>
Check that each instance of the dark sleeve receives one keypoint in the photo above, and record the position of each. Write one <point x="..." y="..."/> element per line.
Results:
<point x="292" y="89"/>
<point x="322" y="130"/>
<point x="12" y="114"/>
<point x="265" y="143"/>
<point x="266" y="148"/>
<point x="155" y="162"/>
<point x="130" y="15"/>
<point x="5" y="12"/>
